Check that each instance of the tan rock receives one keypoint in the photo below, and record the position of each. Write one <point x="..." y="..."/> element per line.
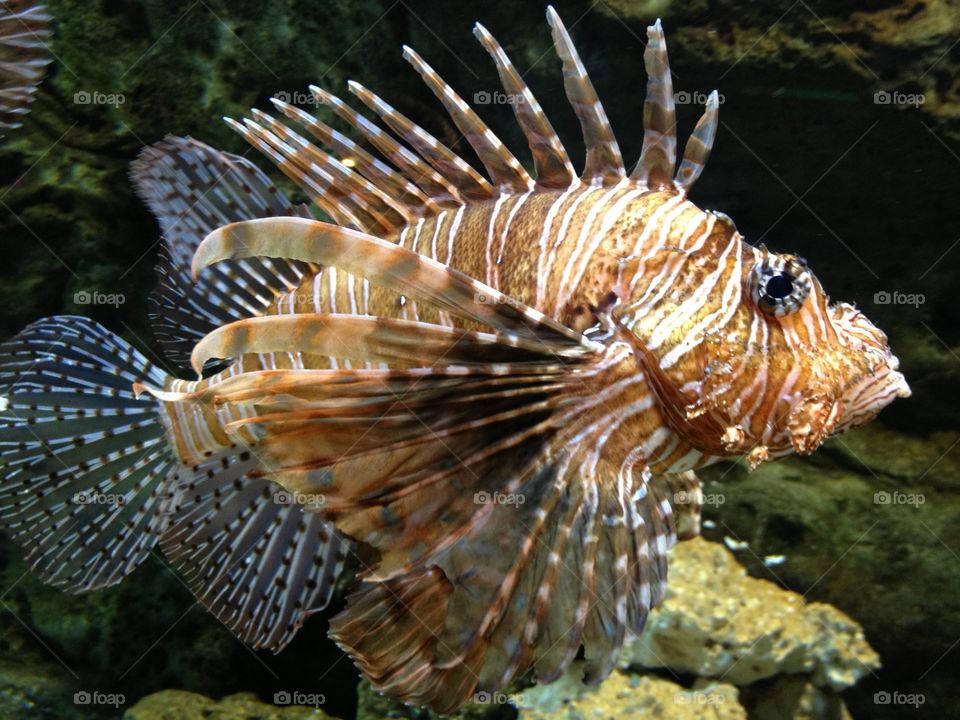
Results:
<point x="717" y="622"/>
<point x="796" y="698"/>
<point x="183" y="705"/>
<point x="628" y="696"/>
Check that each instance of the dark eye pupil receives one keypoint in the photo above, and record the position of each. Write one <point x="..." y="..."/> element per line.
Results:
<point x="779" y="286"/>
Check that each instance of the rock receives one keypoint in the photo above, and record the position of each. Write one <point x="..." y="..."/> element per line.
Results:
<point x="372" y="705"/>
<point x="794" y="697"/>
<point x="717" y="622"/>
<point x="34" y="689"/>
<point x="624" y="696"/>
<point x="183" y="705"/>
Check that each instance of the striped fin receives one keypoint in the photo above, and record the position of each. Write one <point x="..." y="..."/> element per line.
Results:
<point x="502" y="167"/>
<point x="317" y="172"/>
<point x="659" y="155"/>
<point x="699" y="145"/>
<point x="366" y="338"/>
<point x="192" y="189"/>
<point x="254" y="557"/>
<point x="491" y="440"/>
<point x="475" y="625"/>
<point x="85" y="467"/>
<point x="385" y="264"/>
<point x="604" y="162"/>
<point x="410" y="198"/>
<point x="437" y="187"/>
<point x="467" y="181"/>
<point x="553" y="167"/>
<point x="24" y="56"/>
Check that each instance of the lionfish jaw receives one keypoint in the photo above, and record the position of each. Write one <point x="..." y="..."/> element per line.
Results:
<point x="811" y="421"/>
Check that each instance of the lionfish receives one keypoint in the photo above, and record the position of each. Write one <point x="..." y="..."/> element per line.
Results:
<point x="488" y="382"/>
<point x="24" y="55"/>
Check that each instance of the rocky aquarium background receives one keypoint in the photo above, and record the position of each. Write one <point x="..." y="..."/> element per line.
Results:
<point x="839" y="140"/>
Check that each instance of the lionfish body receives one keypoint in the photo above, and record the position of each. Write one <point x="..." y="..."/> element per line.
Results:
<point x="489" y="380"/>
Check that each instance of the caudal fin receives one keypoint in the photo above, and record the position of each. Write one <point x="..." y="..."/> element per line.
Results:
<point x="83" y="461"/>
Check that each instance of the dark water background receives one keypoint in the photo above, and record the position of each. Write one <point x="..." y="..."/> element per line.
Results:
<point x="808" y="160"/>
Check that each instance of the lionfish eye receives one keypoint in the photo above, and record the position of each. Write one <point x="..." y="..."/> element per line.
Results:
<point x="780" y="284"/>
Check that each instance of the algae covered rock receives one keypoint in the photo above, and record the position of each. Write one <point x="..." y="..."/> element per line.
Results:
<point x="183" y="705"/>
<point x="719" y="622"/>
<point x="626" y="696"/>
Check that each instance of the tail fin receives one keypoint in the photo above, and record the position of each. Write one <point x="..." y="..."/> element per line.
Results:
<point x="82" y="460"/>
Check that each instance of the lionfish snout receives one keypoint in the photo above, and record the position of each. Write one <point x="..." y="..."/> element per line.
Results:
<point x="876" y="380"/>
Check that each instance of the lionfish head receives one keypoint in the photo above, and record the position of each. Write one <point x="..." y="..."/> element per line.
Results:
<point x="751" y="358"/>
